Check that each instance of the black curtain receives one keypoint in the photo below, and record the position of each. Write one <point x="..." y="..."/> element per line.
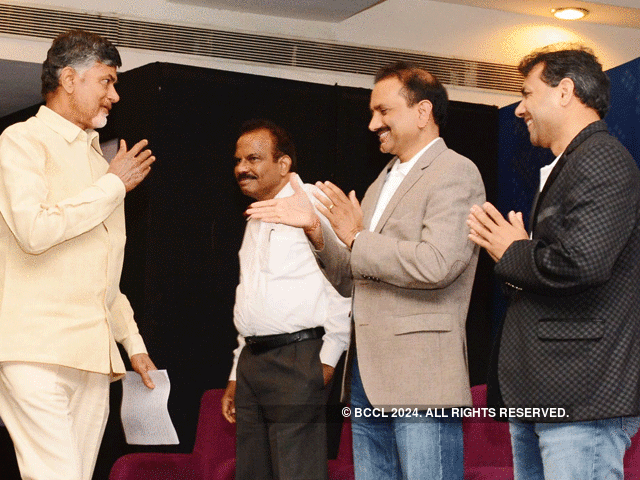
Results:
<point x="185" y="223"/>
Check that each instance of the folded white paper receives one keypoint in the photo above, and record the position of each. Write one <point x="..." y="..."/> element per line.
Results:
<point x="144" y="412"/>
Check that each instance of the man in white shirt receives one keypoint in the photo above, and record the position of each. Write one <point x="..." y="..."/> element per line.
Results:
<point x="293" y="327"/>
<point x="62" y="237"/>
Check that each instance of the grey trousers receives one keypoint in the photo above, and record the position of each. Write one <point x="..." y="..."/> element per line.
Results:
<point x="280" y="414"/>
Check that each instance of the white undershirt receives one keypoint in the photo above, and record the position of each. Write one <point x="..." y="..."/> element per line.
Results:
<point x="394" y="178"/>
<point x="546" y="171"/>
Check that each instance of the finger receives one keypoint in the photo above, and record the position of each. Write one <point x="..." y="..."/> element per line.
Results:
<point x="325" y="202"/>
<point x="142" y="156"/>
<point x="123" y="146"/>
<point x="265" y="217"/>
<point x="296" y="183"/>
<point x="482" y="218"/>
<point x="493" y="213"/>
<point x="353" y="199"/>
<point x="146" y="163"/>
<point x="264" y="203"/>
<point x="146" y="379"/>
<point x="333" y="193"/>
<point x="475" y="221"/>
<point x="261" y="209"/>
<point x="478" y="240"/>
<point x="337" y="194"/>
<point x="139" y="146"/>
<point x="230" y="415"/>
<point x="478" y="229"/>
<point x="226" y="413"/>
<point x="516" y="219"/>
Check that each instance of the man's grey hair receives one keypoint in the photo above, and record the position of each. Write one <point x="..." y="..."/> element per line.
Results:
<point x="79" y="50"/>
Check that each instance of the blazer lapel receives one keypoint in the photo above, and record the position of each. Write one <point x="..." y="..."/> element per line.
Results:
<point x="412" y="177"/>
<point x="591" y="129"/>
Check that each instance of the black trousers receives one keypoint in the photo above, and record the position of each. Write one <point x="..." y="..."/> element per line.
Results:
<point x="280" y="414"/>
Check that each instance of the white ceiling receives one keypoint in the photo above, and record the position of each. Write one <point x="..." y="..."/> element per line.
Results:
<point x="322" y="10"/>
<point x="624" y="13"/>
<point x="20" y="81"/>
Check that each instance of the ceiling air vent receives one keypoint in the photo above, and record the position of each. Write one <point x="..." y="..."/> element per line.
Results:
<point x="247" y="47"/>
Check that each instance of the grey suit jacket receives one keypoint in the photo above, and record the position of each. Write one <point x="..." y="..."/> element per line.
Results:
<point x="411" y="282"/>
<point x="571" y="336"/>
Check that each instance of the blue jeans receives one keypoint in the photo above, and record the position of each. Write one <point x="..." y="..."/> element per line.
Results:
<point x="401" y="448"/>
<point x="591" y="450"/>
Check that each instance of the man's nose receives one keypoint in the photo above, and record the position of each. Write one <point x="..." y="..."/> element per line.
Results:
<point x="374" y="124"/>
<point x="113" y="95"/>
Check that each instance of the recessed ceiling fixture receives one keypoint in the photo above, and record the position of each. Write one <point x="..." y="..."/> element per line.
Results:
<point x="570" y="13"/>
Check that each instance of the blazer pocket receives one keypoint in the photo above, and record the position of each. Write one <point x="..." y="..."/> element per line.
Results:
<point x="424" y="322"/>
<point x="570" y="329"/>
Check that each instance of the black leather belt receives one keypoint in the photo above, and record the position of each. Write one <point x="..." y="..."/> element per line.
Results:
<point x="264" y="343"/>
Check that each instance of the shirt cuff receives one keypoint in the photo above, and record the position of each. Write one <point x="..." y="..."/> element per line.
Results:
<point x="331" y="352"/>
<point x="134" y="345"/>
<point x="111" y="183"/>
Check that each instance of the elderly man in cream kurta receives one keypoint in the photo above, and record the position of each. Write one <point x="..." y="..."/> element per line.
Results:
<point x="62" y="236"/>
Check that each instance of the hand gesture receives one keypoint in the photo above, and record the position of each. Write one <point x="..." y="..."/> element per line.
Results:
<point x="295" y="211"/>
<point x="490" y="230"/>
<point x="344" y="213"/>
<point x="132" y="166"/>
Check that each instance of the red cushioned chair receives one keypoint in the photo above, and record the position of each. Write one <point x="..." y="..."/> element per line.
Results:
<point x="213" y="456"/>
<point x="487" y="447"/>
<point x="487" y="444"/>
<point x="632" y="460"/>
<point x="342" y="467"/>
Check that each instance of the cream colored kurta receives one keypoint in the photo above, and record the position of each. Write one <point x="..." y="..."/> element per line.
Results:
<point x="62" y="237"/>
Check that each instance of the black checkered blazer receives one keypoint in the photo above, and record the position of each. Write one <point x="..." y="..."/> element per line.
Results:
<point x="571" y="335"/>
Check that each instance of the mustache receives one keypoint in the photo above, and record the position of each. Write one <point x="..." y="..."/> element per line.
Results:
<point x="245" y="176"/>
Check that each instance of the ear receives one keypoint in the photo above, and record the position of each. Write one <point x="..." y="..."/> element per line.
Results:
<point x="67" y="79"/>
<point x="566" y="88"/>
<point x="425" y="108"/>
<point x="285" y="164"/>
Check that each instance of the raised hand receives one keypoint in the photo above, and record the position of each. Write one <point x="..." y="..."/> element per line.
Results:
<point x="295" y="211"/>
<point x="344" y="213"/>
<point x="132" y="166"/>
<point x="489" y="229"/>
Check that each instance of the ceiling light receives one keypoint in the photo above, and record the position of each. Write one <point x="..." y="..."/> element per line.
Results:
<point x="569" y="13"/>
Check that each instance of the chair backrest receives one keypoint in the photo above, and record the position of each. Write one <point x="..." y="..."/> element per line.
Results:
<point x="345" y="450"/>
<point x="487" y="442"/>
<point x="632" y="458"/>
<point x="215" y="437"/>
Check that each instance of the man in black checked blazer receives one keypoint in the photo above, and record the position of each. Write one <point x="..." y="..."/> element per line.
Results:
<point x="571" y="336"/>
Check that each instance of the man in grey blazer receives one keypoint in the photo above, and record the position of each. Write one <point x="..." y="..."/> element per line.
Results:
<point x="405" y="258"/>
<point x="571" y="336"/>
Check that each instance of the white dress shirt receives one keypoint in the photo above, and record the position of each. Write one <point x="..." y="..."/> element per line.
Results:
<point x="394" y="178"/>
<point x="282" y="289"/>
